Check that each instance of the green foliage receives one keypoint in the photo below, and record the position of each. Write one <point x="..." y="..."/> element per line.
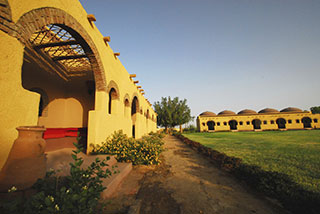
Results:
<point x="190" y="128"/>
<point x="172" y="112"/>
<point x="315" y="110"/>
<point x="144" y="151"/>
<point x="77" y="193"/>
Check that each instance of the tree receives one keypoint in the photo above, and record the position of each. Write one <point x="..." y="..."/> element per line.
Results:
<point x="172" y="112"/>
<point x="315" y="110"/>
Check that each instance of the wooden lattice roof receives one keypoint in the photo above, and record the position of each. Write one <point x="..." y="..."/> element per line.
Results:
<point x="62" y="48"/>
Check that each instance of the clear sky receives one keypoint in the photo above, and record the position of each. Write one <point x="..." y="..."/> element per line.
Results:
<point x="227" y="54"/>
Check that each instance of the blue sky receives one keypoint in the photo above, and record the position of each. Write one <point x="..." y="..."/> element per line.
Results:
<point x="228" y="54"/>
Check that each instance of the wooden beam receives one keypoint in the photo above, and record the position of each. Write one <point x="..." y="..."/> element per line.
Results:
<point x="55" y="44"/>
<point x="138" y="86"/>
<point x="106" y="39"/>
<point x="135" y="82"/>
<point x="133" y="75"/>
<point x="45" y="62"/>
<point x="91" y="18"/>
<point x="57" y="58"/>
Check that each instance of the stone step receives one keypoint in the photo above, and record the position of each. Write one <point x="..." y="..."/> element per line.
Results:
<point x="59" y="160"/>
<point x="113" y="182"/>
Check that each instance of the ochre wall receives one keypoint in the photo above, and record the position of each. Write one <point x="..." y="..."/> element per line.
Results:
<point x="19" y="106"/>
<point x="262" y="117"/>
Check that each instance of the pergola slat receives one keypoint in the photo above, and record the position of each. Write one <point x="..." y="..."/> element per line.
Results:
<point x="55" y="44"/>
<point x="57" y="58"/>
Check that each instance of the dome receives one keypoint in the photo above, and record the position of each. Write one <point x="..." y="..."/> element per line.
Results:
<point x="268" y="111"/>
<point x="291" y="110"/>
<point x="208" y="114"/>
<point x="246" y="112"/>
<point x="227" y="112"/>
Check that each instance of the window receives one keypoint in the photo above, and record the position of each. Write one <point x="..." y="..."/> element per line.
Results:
<point x="225" y="123"/>
<point x="265" y="122"/>
<point x="289" y="121"/>
<point x="218" y="123"/>
<point x="272" y="121"/>
<point x="241" y="123"/>
<point x="203" y="124"/>
<point x="248" y="122"/>
<point x="297" y="121"/>
<point x="315" y="120"/>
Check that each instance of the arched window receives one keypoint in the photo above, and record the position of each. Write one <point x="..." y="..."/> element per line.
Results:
<point x="281" y="123"/>
<point x="211" y="125"/>
<point x="233" y="124"/>
<point x="306" y="122"/>
<point x="112" y="96"/>
<point x="256" y="124"/>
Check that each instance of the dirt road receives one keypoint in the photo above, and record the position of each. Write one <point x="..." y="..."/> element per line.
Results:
<point x="188" y="183"/>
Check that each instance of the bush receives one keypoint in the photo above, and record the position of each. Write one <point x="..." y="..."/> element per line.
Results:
<point x="144" y="151"/>
<point x="77" y="193"/>
<point x="190" y="128"/>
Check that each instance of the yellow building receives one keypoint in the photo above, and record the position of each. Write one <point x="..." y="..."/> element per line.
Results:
<point x="266" y="119"/>
<point x="57" y="70"/>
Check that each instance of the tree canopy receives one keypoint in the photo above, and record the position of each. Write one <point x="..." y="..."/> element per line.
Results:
<point x="315" y="110"/>
<point x="172" y="112"/>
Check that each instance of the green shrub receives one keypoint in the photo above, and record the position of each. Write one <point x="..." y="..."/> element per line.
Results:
<point x="145" y="151"/>
<point x="190" y="128"/>
<point x="77" y="193"/>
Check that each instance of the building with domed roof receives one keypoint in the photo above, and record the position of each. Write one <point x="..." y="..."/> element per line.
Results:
<point x="265" y="119"/>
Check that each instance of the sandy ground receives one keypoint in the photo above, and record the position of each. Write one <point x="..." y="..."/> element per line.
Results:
<point x="186" y="183"/>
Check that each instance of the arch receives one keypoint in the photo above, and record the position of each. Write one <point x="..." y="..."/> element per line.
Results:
<point x="281" y="123"/>
<point x="211" y="125"/>
<point x="256" y="124"/>
<point x="126" y="100"/>
<point x="113" y="85"/>
<point x="126" y="103"/>
<point x="134" y="111"/>
<point x="6" y="23"/>
<point x="112" y="96"/>
<point x="44" y="101"/>
<point x="134" y="106"/>
<point x="306" y="122"/>
<point x="233" y="124"/>
<point x="148" y="114"/>
<point x="40" y="17"/>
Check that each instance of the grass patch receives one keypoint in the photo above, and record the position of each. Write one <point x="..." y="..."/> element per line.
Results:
<point x="295" y="153"/>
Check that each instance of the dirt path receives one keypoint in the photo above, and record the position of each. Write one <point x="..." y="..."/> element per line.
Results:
<point x="188" y="183"/>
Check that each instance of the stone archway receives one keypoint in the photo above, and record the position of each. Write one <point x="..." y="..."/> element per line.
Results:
<point x="211" y="125"/>
<point x="59" y="50"/>
<point x="233" y="124"/>
<point x="281" y="123"/>
<point x="6" y="23"/>
<point x="306" y="122"/>
<point x="38" y="18"/>
<point x="256" y="124"/>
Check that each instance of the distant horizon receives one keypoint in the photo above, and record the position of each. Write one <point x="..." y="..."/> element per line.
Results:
<point x="219" y="55"/>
